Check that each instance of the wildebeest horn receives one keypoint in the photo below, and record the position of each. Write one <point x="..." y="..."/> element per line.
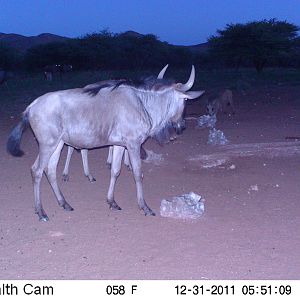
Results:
<point x="162" y="72"/>
<point x="187" y="86"/>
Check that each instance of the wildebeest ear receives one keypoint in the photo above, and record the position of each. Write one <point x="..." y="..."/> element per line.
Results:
<point x="192" y="94"/>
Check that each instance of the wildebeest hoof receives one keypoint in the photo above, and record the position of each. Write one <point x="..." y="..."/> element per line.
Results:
<point x="114" y="206"/>
<point x="65" y="177"/>
<point x="42" y="216"/>
<point x="66" y="206"/>
<point x="148" y="211"/>
<point x="91" y="179"/>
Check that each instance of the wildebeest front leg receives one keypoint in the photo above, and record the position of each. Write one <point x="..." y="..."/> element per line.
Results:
<point x="51" y="175"/>
<point x="134" y="154"/>
<point x="65" y="173"/>
<point x="117" y="155"/>
<point x="84" y="155"/>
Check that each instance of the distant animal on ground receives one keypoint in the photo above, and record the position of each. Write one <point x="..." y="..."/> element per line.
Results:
<point x="48" y="76"/>
<point x="123" y="115"/>
<point x="3" y="76"/>
<point x="59" y="69"/>
<point x="50" y="70"/>
<point x="223" y="102"/>
<point x="143" y="154"/>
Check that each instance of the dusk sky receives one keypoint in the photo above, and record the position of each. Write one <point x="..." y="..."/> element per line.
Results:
<point x="181" y="22"/>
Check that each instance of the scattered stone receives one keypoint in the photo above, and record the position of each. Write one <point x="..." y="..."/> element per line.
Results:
<point x="207" y="121"/>
<point x="187" y="206"/>
<point x="216" y="137"/>
<point x="253" y="188"/>
<point x="55" y="233"/>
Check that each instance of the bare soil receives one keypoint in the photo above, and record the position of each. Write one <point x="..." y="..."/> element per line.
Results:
<point x="250" y="228"/>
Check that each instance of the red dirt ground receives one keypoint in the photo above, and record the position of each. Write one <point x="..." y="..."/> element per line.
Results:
<point x="244" y="233"/>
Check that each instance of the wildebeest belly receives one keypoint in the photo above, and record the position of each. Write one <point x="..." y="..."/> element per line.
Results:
<point x="87" y="135"/>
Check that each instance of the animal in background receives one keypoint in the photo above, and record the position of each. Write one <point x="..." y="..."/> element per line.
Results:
<point x="223" y="102"/>
<point x="2" y="76"/>
<point x="5" y="76"/>
<point x="50" y="70"/>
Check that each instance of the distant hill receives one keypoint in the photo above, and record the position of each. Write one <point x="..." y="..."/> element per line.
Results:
<point x="199" y="48"/>
<point x="131" y="33"/>
<point x="23" y="43"/>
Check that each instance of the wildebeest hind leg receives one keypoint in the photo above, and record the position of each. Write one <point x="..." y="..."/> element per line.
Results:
<point x="37" y="170"/>
<point x="51" y="175"/>
<point x="114" y="173"/>
<point x="36" y="179"/>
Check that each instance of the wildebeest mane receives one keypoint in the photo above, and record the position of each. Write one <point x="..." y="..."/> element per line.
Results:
<point x="148" y="83"/>
<point x="93" y="91"/>
<point x="144" y="83"/>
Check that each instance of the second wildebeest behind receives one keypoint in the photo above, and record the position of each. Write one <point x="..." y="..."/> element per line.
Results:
<point x="123" y="115"/>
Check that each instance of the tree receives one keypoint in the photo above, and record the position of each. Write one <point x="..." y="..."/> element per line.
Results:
<point x="9" y="57"/>
<point x="98" y="49"/>
<point x="254" y="42"/>
<point x="139" y="52"/>
<point x="105" y="50"/>
<point x="49" y="54"/>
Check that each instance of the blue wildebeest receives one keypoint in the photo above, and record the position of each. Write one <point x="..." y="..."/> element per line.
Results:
<point x="122" y="115"/>
<point x="85" y="162"/>
<point x="84" y="152"/>
<point x="86" y="170"/>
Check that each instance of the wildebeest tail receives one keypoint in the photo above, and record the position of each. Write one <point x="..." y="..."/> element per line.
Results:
<point x="14" y="139"/>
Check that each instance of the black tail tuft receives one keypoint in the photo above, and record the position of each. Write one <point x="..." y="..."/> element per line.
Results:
<point x="14" y="139"/>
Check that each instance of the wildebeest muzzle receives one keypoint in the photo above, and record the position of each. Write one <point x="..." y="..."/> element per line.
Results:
<point x="179" y="126"/>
